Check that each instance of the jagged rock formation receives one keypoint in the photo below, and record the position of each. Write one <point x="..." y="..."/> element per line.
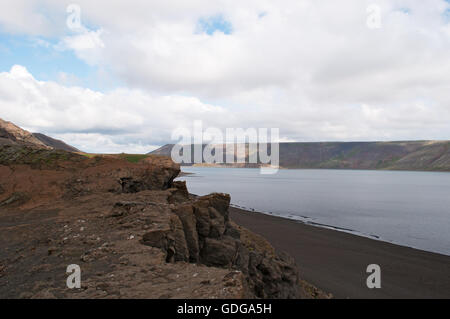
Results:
<point x="202" y="233"/>
<point x="134" y="232"/>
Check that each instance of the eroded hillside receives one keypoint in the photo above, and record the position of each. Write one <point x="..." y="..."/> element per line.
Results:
<point x="409" y="155"/>
<point x="134" y="232"/>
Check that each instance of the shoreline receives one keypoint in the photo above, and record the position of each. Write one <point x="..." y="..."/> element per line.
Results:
<point x="323" y="168"/>
<point x="335" y="261"/>
<point x="304" y="220"/>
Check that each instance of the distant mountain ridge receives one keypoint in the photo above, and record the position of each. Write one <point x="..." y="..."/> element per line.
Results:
<point x="11" y="134"/>
<point x="54" y="143"/>
<point x="402" y="155"/>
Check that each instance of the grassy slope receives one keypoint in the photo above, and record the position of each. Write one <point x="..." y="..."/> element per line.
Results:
<point x="132" y="158"/>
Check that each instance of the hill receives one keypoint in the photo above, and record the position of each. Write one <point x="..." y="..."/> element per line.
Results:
<point x="11" y="134"/>
<point x="54" y="143"/>
<point x="402" y="155"/>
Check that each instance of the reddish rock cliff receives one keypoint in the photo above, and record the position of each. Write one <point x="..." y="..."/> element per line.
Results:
<point x="132" y="229"/>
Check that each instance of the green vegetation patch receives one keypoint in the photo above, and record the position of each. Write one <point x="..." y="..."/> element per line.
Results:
<point x="37" y="158"/>
<point x="133" y="158"/>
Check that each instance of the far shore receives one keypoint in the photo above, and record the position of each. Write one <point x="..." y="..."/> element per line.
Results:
<point x="336" y="261"/>
<point x="319" y="168"/>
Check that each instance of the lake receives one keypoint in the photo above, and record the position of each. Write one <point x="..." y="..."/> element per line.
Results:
<point x="407" y="208"/>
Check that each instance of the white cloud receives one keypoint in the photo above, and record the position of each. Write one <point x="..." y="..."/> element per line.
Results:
<point x="305" y="44"/>
<point x="22" y="16"/>
<point x="101" y="143"/>
<point x="87" y="45"/>
<point x="312" y="68"/>
<point x="120" y="120"/>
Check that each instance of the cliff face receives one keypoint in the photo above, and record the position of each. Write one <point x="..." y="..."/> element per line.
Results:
<point x="133" y="231"/>
<point x="411" y="155"/>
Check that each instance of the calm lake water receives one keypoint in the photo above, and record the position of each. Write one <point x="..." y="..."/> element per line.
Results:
<point x="406" y="208"/>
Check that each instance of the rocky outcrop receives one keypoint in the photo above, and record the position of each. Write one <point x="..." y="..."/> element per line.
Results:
<point x="203" y="233"/>
<point x="52" y="174"/>
<point x="134" y="232"/>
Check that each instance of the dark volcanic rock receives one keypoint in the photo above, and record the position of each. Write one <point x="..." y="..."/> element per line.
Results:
<point x="212" y="239"/>
<point x="186" y="215"/>
<point x="157" y="238"/>
<point x="180" y="194"/>
<point x="219" y="252"/>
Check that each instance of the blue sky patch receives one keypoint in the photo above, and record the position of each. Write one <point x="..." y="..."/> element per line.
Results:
<point x="39" y="57"/>
<point x="46" y="63"/>
<point x="211" y="24"/>
<point x="262" y="14"/>
<point x="447" y="15"/>
<point x="405" y="10"/>
<point x="447" y="12"/>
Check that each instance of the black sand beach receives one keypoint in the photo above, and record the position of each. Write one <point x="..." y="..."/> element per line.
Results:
<point x="336" y="262"/>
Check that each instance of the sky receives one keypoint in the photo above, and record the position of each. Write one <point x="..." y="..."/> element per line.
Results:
<point x="126" y="74"/>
